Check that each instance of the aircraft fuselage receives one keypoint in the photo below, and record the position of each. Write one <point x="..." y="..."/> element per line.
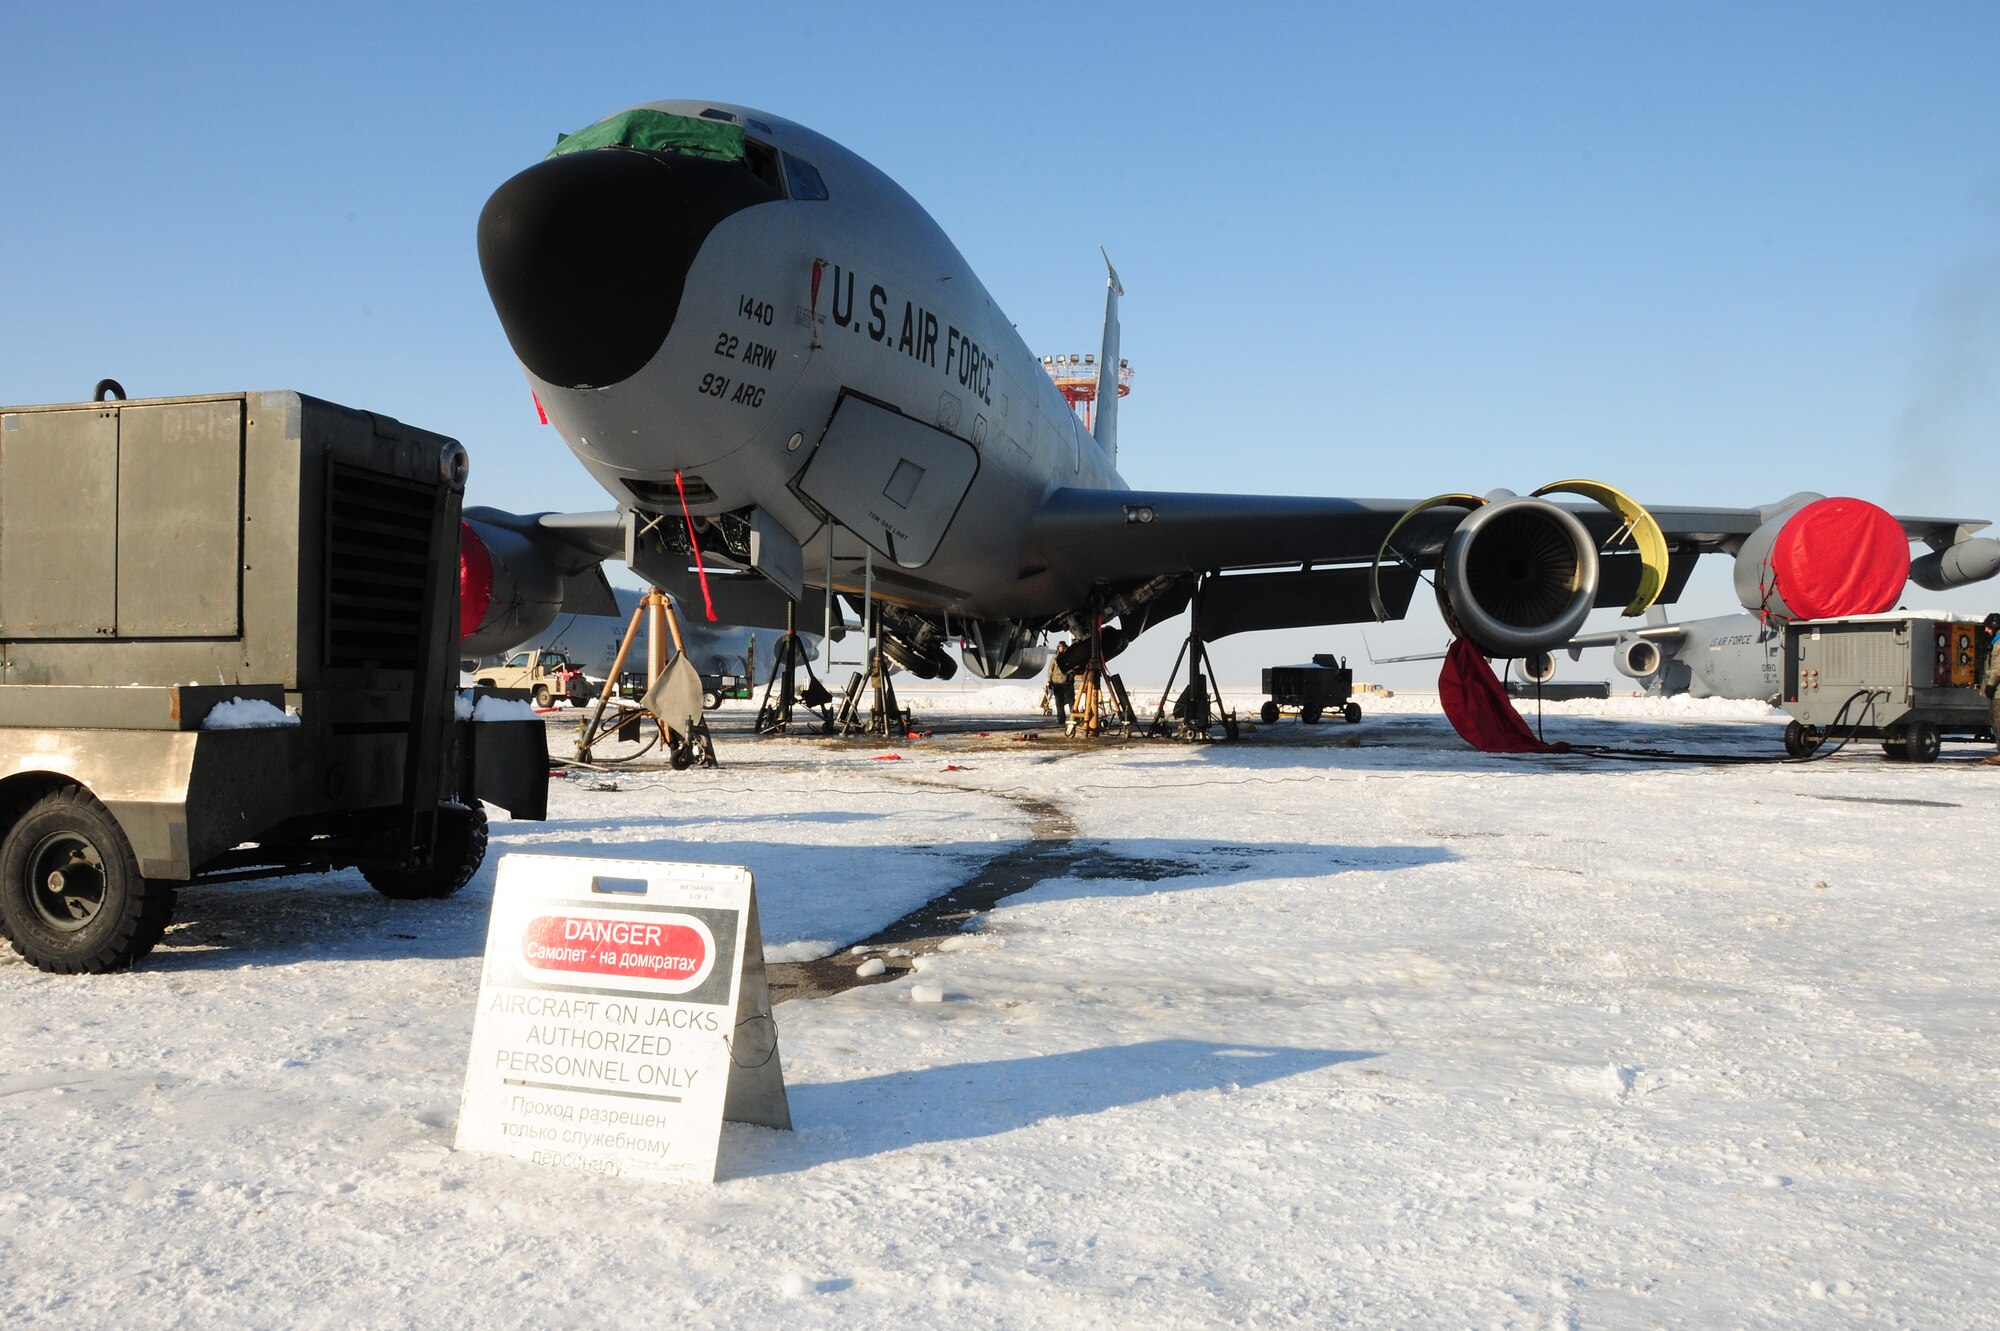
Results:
<point x="787" y="303"/>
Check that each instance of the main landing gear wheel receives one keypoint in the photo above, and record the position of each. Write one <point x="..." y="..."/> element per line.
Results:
<point x="1353" y="713"/>
<point x="460" y="850"/>
<point x="71" y="894"/>
<point x="1802" y="740"/>
<point x="1268" y="714"/>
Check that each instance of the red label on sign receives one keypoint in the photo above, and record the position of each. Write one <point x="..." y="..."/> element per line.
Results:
<point x="628" y="948"/>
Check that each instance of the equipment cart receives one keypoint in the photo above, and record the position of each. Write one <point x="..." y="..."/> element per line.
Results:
<point x="1907" y="680"/>
<point x="1314" y="690"/>
<point x="296" y="560"/>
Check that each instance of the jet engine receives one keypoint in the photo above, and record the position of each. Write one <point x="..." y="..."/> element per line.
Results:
<point x="1535" y="668"/>
<point x="1636" y="658"/>
<point x="1957" y="565"/>
<point x="1818" y="558"/>
<point x="509" y="590"/>
<point x="1519" y="575"/>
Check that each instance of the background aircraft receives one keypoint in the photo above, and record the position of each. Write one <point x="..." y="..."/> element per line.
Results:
<point x="592" y="641"/>
<point x="777" y="364"/>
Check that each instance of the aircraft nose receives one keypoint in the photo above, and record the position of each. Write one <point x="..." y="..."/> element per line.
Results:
<point x="585" y="255"/>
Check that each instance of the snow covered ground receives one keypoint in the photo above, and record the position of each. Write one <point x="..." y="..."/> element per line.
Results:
<point x="1333" y="1026"/>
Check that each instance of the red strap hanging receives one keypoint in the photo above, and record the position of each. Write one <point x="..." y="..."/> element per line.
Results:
<point x="707" y="601"/>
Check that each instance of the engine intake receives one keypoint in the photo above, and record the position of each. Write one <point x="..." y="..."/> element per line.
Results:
<point x="508" y="589"/>
<point x="1816" y="558"/>
<point x="1636" y="658"/>
<point x="1519" y="575"/>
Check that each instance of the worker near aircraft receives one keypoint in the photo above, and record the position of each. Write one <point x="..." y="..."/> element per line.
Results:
<point x="1061" y="688"/>
<point x="1989" y="679"/>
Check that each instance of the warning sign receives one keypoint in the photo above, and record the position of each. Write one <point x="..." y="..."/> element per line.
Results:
<point x="623" y="1015"/>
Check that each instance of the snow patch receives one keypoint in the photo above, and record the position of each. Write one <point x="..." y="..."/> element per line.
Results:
<point x="247" y="714"/>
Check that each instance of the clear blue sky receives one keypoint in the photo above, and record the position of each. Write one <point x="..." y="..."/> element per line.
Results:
<point x="1711" y="253"/>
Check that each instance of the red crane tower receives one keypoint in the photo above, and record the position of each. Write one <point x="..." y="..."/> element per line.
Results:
<point x="1076" y="379"/>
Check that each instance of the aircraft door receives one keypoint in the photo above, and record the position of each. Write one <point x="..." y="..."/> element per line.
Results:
<point x="894" y="481"/>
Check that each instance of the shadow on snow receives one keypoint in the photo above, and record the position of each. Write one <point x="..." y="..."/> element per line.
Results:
<point x="962" y="1101"/>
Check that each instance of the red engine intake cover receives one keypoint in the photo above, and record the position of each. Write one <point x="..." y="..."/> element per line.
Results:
<point x="1840" y="557"/>
<point x="475" y="581"/>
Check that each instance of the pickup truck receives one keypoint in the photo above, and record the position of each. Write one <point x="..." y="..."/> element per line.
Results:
<point x="547" y="674"/>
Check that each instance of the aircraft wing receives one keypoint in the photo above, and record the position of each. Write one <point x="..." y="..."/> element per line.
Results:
<point x="1297" y="562"/>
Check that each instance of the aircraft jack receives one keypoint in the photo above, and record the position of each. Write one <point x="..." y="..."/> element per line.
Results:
<point x="1199" y="707"/>
<point x="673" y="694"/>
<point x="1100" y="704"/>
<point x="781" y="694"/>
<point x="886" y="717"/>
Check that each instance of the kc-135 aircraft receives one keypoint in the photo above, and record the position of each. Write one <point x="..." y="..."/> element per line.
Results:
<point x="787" y="377"/>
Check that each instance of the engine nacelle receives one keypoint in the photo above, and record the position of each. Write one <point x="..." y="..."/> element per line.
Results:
<point x="1535" y="668"/>
<point x="1519" y="575"/>
<point x="1957" y="565"/>
<point x="508" y="589"/>
<point x="1637" y="658"/>
<point x="1821" y="558"/>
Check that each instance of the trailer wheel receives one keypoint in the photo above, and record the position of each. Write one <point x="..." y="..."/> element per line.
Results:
<point x="1353" y="713"/>
<point x="460" y="850"/>
<point x="1268" y="713"/>
<point x="71" y="893"/>
<point x="710" y="700"/>
<point x="1923" y="742"/>
<point x="1309" y="714"/>
<point x="1802" y="740"/>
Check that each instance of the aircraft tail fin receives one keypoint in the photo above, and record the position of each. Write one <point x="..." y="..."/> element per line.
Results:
<point x="1106" y="428"/>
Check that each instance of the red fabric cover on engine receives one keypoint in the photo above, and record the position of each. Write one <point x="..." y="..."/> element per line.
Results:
<point x="475" y="581"/>
<point x="1840" y="557"/>
<point x="1477" y="705"/>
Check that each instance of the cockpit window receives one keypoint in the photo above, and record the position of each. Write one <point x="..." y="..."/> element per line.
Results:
<point x="762" y="160"/>
<point x="805" y="179"/>
<point x="659" y="131"/>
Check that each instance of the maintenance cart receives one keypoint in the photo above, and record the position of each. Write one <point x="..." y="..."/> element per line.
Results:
<point x="298" y="562"/>
<point x="1908" y="680"/>
<point x="1313" y="690"/>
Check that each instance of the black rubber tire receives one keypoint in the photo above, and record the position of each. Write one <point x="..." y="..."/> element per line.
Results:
<point x="681" y="756"/>
<point x="1803" y="741"/>
<point x="1268" y="714"/>
<point x="129" y="913"/>
<point x="710" y="700"/>
<point x="1309" y="715"/>
<point x="1923" y="742"/>
<point x="460" y="850"/>
<point x="543" y="698"/>
<point x="1353" y="713"/>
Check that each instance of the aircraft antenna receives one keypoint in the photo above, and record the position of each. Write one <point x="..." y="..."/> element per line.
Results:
<point x="1075" y="377"/>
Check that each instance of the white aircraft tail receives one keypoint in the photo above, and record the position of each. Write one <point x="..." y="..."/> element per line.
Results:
<point x="1106" y="428"/>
